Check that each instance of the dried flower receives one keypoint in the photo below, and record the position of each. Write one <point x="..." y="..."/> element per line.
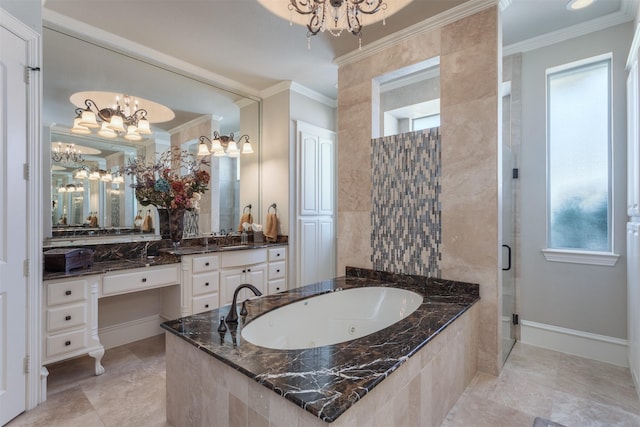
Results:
<point x="161" y="184"/>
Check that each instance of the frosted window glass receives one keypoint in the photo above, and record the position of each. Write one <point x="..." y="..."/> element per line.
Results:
<point x="579" y="158"/>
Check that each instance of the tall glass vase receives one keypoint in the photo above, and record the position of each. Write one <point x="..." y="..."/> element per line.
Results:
<point x="176" y="226"/>
<point x="172" y="224"/>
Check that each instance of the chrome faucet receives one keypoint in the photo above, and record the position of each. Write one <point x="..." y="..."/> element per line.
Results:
<point x="232" y="316"/>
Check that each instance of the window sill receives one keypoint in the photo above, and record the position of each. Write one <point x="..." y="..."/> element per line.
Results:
<point x="607" y="259"/>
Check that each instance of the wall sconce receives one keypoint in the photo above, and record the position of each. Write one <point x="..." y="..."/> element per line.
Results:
<point x="223" y="145"/>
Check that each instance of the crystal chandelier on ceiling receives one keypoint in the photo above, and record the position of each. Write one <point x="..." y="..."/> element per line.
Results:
<point x="334" y="16"/>
<point x="68" y="154"/>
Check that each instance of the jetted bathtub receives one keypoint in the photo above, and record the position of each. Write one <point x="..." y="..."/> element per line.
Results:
<point x="331" y="318"/>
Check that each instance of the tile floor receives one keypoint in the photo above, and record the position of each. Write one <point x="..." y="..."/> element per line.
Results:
<point x="535" y="382"/>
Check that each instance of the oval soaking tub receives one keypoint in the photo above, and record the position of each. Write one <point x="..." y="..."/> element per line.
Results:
<point x="331" y="318"/>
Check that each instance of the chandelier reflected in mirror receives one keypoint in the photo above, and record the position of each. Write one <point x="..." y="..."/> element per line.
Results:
<point x="334" y="16"/>
<point x="222" y="145"/>
<point x="68" y="154"/>
<point x="124" y="117"/>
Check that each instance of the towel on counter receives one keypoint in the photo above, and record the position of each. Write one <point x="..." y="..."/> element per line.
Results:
<point x="271" y="229"/>
<point x="247" y="217"/>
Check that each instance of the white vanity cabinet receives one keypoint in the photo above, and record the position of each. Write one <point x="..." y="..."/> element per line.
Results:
<point x="277" y="274"/>
<point x="239" y="267"/>
<point x="264" y="268"/>
<point x="70" y="320"/>
<point x="200" y="283"/>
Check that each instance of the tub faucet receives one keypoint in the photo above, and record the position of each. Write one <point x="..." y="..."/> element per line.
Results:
<point x="232" y="316"/>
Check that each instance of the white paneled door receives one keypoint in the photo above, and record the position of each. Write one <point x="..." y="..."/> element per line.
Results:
<point x="315" y="184"/>
<point x="13" y="224"/>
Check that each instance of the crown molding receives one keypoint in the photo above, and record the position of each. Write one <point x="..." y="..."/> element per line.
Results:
<point x="631" y="8"/>
<point x="298" y="88"/>
<point x="505" y="4"/>
<point x="81" y="30"/>
<point x="447" y="17"/>
<point x="568" y="33"/>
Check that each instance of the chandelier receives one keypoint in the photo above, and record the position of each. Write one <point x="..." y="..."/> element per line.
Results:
<point x="68" y="154"/>
<point x="222" y="145"/>
<point x="334" y="16"/>
<point x="128" y="119"/>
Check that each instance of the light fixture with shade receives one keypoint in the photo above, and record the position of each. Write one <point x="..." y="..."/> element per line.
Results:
<point x="579" y="4"/>
<point x="222" y="145"/>
<point x="334" y="16"/>
<point x="124" y="118"/>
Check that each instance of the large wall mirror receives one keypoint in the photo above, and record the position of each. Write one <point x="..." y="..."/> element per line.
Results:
<point x="88" y="206"/>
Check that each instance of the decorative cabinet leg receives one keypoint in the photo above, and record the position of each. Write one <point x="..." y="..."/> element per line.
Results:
<point x="97" y="354"/>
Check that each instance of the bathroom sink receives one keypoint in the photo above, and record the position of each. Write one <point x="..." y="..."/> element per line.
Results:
<point x="233" y="247"/>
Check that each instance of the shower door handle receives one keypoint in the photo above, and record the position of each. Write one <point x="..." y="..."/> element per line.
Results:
<point x="508" y="258"/>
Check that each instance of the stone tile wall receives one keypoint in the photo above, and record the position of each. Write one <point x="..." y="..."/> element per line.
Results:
<point x="405" y="192"/>
<point x="470" y="67"/>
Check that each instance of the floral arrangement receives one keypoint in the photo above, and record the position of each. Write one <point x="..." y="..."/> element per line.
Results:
<point x="175" y="181"/>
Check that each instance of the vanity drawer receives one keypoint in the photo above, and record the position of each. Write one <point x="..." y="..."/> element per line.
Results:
<point x="276" y="286"/>
<point x="205" y="283"/>
<point x="66" y="317"/>
<point x="65" y="343"/>
<point x="205" y="302"/>
<point x="277" y="254"/>
<point x="205" y="263"/>
<point x="243" y="257"/>
<point x="66" y="292"/>
<point x="139" y="279"/>
<point x="276" y="270"/>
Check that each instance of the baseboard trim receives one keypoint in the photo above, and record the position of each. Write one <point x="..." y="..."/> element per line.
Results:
<point x="127" y="332"/>
<point x="584" y="344"/>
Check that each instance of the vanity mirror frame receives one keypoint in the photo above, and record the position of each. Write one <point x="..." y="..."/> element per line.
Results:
<point x="246" y="100"/>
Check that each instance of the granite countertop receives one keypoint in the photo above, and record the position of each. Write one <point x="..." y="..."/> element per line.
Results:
<point x="327" y="380"/>
<point x="121" y="260"/>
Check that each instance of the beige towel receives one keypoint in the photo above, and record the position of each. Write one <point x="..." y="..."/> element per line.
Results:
<point x="147" y="225"/>
<point x="247" y="217"/>
<point x="271" y="229"/>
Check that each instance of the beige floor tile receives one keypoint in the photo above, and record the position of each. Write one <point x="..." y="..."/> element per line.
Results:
<point x="573" y="411"/>
<point x="534" y="382"/>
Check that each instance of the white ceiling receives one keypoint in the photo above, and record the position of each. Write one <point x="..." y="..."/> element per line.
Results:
<point x="242" y="41"/>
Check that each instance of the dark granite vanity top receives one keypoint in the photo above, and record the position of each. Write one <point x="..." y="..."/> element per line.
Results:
<point x="327" y="380"/>
<point x="127" y="256"/>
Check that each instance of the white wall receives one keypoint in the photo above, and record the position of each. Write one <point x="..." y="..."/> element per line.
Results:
<point x="574" y="296"/>
<point x="27" y="11"/>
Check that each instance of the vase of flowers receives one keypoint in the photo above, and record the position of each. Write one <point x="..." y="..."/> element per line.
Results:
<point x="173" y="184"/>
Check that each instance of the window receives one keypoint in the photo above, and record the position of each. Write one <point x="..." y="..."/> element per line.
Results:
<point x="579" y="156"/>
<point x="426" y="122"/>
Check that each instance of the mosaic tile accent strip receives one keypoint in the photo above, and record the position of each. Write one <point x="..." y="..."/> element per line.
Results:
<point x="406" y="209"/>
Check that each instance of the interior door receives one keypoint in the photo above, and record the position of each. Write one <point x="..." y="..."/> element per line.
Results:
<point x="13" y="224"/>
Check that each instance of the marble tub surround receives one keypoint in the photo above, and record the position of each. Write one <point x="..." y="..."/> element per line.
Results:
<point x="324" y="381"/>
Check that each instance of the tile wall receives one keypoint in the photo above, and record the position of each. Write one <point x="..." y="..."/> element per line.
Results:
<point x="405" y="195"/>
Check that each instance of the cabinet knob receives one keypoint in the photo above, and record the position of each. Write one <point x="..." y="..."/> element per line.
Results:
<point x="206" y="284"/>
<point x="67" y="318"/>
<point x="278" y="271"/>
<point x="206" y="306"/>
<point x="277" y="289"/>
<point x="277" y="254"/>
<point x="67" y="293"/>
<point x="206" y="264"/>
<point x="67" y="343"/>
<point x="248" y="269"/>
<point x="244" y="271"/>
<point x="144" y="279"/>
